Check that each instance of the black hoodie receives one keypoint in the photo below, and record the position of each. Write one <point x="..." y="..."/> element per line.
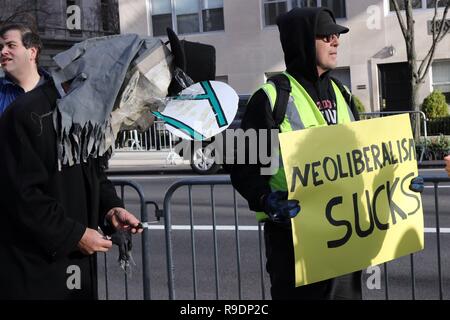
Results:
<point x="297" y="36"/>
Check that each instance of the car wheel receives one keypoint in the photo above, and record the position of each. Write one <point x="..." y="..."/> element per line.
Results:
<point x="203" y="161"/>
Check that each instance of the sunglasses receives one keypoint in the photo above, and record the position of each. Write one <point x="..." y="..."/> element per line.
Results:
<point x="328" y="38"/>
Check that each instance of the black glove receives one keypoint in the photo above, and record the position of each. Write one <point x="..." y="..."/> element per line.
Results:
<point x="416" y="184"/>
<point x="123" y="240"/>
<point x="279" y="208"/>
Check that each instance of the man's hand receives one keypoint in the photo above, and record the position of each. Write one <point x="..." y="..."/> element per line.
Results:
<point x="121" y="219"/>
<point x="447" y="164"/>
<point x="279" y="208"/>
<point x="92" y="242"/>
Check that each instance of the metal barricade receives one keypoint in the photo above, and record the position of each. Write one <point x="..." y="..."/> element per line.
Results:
<point x="235" y="261"/>
<point x="415" y="116"/>
<point x="396" y="272"/>
<point x="156" y="138"/>
<point x="435" y="181"/>
<point x="145" y="242"/>
<point x="211" y="182"/>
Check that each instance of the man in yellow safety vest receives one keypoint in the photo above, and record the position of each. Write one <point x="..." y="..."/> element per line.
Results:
<point x="310" y="39"/>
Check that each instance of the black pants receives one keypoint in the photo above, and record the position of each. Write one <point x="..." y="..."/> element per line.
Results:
<point x="281" y="268"/>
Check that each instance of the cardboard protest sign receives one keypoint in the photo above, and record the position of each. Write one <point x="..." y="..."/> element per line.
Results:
<point x="352" y="181"/>
<point x="201" y="111"/>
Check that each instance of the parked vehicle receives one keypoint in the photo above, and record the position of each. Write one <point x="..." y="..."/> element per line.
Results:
<point x="203" y="157"/>
<point x="157" y="138"/>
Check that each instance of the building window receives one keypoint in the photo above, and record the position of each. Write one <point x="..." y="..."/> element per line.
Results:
<point x="418" y="4"/>
<point x="104" y="11"/>
<point x="109" y="12"/>
<point x="186" y="16"/>
<point x="441" y="3"/>
<point x="441" y="78"/>
<point x="212" y="14"/>
<point x="161" y="16"/>
<point x="273" y="8"/>
<point x="337" y="6"/>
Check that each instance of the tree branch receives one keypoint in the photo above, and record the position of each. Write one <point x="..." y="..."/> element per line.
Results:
<point x="442" y="33"/>
<point x="430" y="52"/>
<point x="399" y="18"/>
<point x="436" y="38"/>
<point x="25" y="12"/>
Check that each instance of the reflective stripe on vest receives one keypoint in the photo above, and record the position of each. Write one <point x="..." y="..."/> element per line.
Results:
<point x="301" y="113"/>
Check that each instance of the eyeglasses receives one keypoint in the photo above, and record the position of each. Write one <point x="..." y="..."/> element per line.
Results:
<point x="328" y="38"/>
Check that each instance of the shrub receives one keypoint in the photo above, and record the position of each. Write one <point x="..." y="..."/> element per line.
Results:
<point x="358" y="104"/>
<point x="436" y="148"/>
<point x="439" y="126"/>
<point x="434" y="105"/>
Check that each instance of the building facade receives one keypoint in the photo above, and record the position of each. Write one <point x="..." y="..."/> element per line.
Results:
<point x="62" y="23"/>
<point x="372" y="57"/>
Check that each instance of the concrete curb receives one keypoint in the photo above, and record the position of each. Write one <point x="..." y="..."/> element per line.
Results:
<point x="431" y="164"/>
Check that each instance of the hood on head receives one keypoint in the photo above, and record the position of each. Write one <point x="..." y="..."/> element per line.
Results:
<point x="297" y="35"/>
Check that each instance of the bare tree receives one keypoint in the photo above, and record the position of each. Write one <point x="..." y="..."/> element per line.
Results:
<point x="417" y="71"/>
<point x="44" y="14"/>
<point x="26" y="11"/>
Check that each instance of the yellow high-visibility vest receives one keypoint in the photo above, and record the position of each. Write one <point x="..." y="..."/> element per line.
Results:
<point x="301" y="113"/>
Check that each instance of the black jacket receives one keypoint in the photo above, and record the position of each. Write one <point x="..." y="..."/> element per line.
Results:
<point x="297" y="36"/>
<point x="45" y="211"/>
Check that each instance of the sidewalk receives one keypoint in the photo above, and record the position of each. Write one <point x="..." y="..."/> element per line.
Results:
<point x="142" y="161"/>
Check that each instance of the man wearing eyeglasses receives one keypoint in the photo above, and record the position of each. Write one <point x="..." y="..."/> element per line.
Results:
<point x="310" y="41"/>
